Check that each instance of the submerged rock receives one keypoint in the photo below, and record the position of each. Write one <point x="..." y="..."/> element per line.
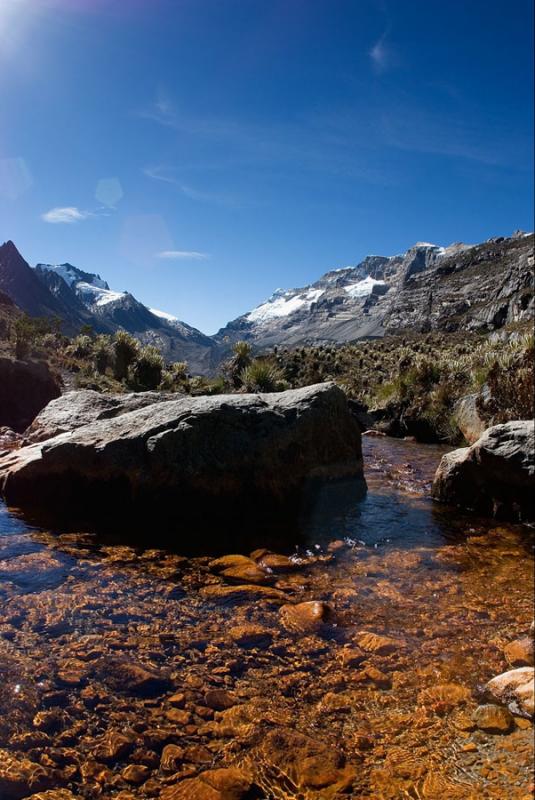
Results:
<point x="519" y="653"/>
<point x="307" y="617"/>
<point x="215" y="784"/>
<point x="375" y="643"/>
<point x="495" y="475"/>
<point x="192" y="459"/>
<point x="20" y="777"/>
<point x="310" y="766"/>
<point x="493" y="719"/>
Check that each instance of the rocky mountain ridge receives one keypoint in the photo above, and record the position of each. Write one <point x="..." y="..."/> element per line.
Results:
<point x="427" y="287"/>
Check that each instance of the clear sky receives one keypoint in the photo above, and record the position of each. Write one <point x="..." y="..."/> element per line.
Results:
<point x="202" y="153"/>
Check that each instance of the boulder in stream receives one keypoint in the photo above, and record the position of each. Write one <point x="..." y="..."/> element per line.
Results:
<point x="495" y="475"/>
<point x="196" y="461"/>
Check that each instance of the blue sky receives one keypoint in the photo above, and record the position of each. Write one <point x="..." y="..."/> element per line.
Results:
<point x="202" y="153"/>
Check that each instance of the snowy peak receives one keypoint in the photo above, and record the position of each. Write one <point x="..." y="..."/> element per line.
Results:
<point x="73" y="275"/>
<point x="163" y="315"/>
<point x="88" y="287"/>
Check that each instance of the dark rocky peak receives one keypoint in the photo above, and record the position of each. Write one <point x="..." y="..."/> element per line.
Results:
<point x="19" y="281"/>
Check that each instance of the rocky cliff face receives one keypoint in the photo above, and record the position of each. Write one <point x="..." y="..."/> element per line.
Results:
<point x="428" y="287"/>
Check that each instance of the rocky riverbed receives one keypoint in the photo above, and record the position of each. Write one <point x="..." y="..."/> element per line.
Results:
<point x="349" y="664"/>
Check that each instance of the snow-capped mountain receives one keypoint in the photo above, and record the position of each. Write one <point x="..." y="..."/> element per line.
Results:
<point x="415" y="289"/>
<point x="111" y="310"/>
<point x="83" y="298"/>
<point x="481" y="286"/>
<point x="334" y="308"/>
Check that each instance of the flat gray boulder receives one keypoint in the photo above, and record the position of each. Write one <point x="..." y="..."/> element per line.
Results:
<point x="187" y="460"/>
<point x="77" y="408"/>
<point x="495" y="476"/>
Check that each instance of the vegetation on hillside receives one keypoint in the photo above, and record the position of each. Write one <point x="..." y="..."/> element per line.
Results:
<point x="409" y="384"/>
<point x="412" y="383"/>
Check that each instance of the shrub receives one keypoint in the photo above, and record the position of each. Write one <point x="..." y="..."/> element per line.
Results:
<point x="28" y="330"/>
<point x="147" y="368"/>
<point x="125" y="352"/>
<point x="175" y="378"/>
<point x="262" y="376"/>
<point x="81" y="346"/>
<point x="102" y="354"/>
<point x="240" y="359"/>
<point x="511" y="389"/>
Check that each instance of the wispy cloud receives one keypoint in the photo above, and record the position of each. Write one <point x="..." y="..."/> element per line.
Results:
<point x="160" y="173"/>
<point x="356" y="143"/>
<point x="66" y="215"/>
<point x="182" y="255"/>
<point x="165" y="175"/>
<point x="303" y="142"/>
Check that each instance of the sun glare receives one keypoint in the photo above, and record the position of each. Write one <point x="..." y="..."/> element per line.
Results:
<point x="13" y="15"/>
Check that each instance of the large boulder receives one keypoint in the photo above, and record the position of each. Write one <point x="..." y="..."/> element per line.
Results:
<point x="74" y="409"/>
<point x="25" y="388"/>
<point x="495" y="475"/>
<point x="195" y="460"/>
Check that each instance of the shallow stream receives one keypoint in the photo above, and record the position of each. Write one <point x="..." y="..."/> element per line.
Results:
<point x="125" y="670"/>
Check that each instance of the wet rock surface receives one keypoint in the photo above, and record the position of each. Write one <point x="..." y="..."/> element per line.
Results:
<point x="515" y="687"/>
<point x="359" y="671"/>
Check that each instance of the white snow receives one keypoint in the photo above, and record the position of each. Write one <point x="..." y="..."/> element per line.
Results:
<point x="107" y="296"/>
<point x="362" y="288"/>
<point x="62" y="271"/>
<point x="163" y="315"/>
<point x="97" y="295"/>
<point x="70" y="276"/>
<point x="283" y="304"/>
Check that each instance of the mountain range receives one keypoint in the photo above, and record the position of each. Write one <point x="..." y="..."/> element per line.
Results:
<point x="483" y="286"/>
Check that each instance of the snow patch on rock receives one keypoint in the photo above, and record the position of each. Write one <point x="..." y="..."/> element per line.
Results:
<point x="163" y="315"/>
<point x="363" y="288"/>
<point x="282" y="304"/>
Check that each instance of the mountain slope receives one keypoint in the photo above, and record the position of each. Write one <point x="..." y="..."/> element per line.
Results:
<point x="80" y="298"/>
<point x="460" y="286"/>
<point x="21" y="283"/>
<point x="111" y="310"/>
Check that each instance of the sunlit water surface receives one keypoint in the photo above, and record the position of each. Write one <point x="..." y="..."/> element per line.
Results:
<point x="449" y="588"/>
